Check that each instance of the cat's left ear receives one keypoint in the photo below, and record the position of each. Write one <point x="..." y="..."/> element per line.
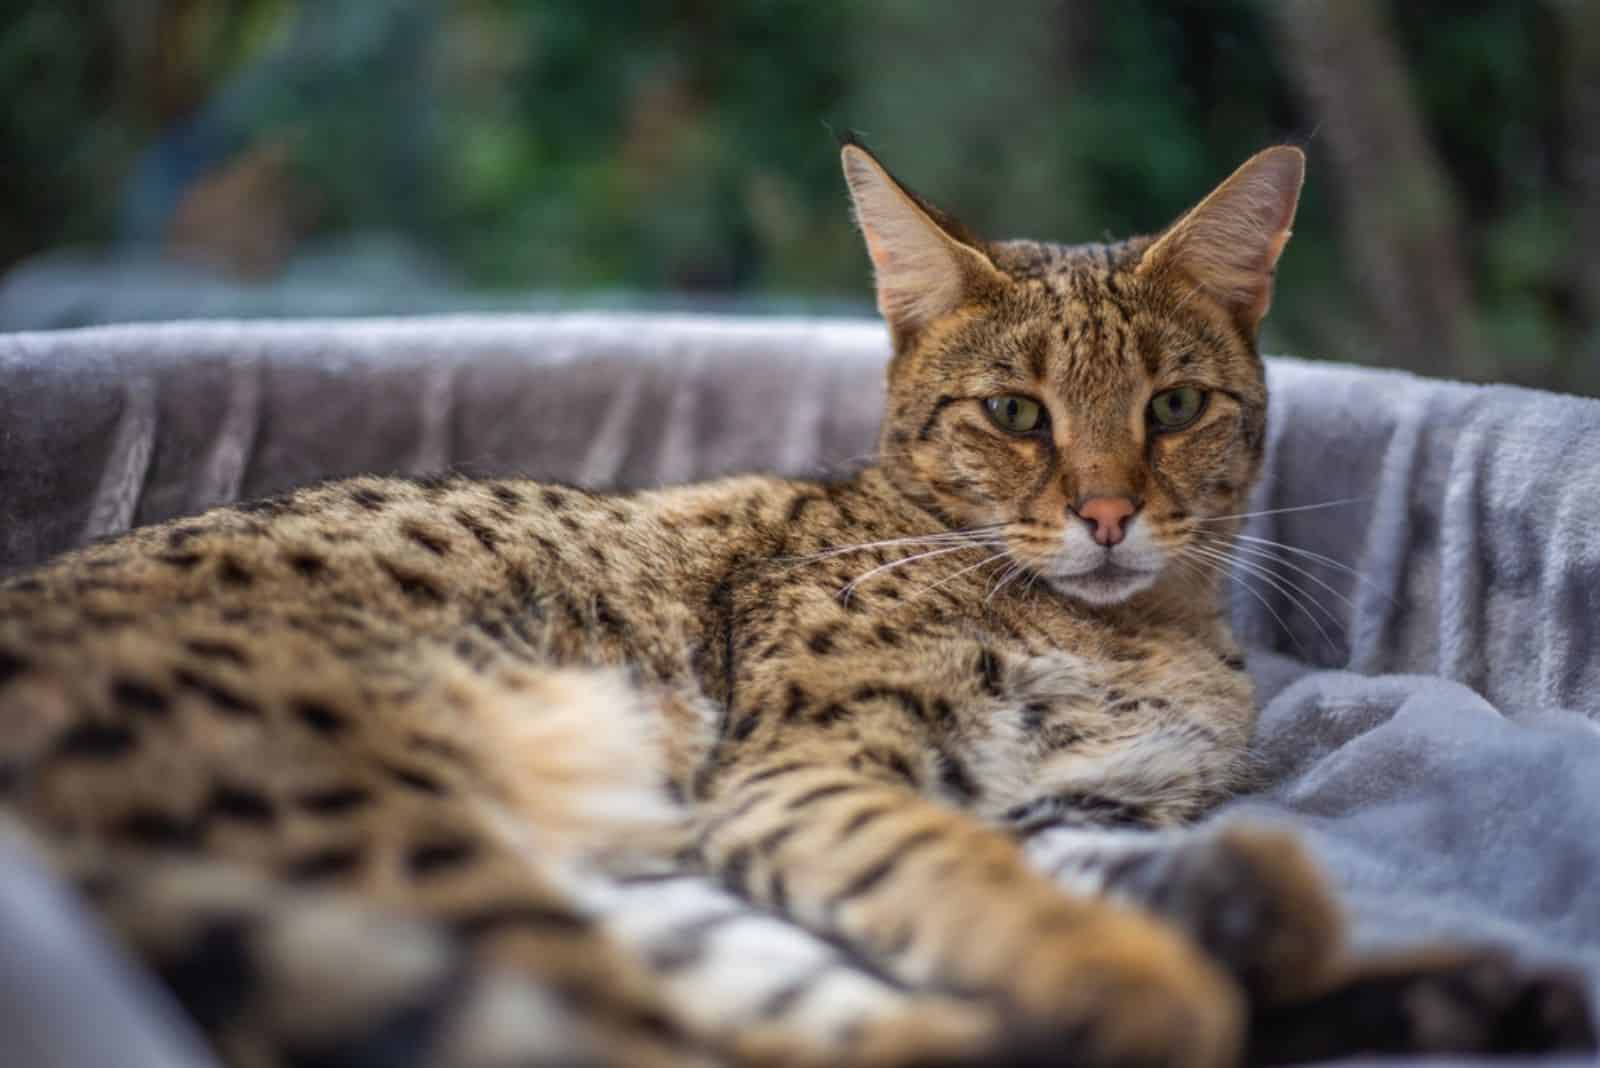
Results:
<point x="1228" y="245"/>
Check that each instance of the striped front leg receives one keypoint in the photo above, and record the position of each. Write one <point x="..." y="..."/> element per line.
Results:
<point x="936" y="899"/>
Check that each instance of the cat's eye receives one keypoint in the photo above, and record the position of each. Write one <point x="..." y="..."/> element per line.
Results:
<point x="1174" y="409"/>
<point x="1019" y="415"/>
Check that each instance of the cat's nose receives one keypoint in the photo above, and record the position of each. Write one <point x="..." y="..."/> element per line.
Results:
<point x="1107" y="517"/>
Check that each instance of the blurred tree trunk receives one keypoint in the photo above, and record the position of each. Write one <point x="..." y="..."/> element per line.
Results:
<point x="1579" y="21"/>
<point x="1399" y="216"/>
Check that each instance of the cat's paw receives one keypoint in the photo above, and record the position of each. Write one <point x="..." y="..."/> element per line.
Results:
<point x="1254" y="901"/>
<point x="1130" y="991"/>
<point x="1444" y="1001"/>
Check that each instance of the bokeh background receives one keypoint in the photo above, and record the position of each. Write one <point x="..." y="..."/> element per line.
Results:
<point x="179" y="158"/>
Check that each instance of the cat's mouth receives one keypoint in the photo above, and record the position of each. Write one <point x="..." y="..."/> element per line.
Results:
<point x="1106" y="582"/>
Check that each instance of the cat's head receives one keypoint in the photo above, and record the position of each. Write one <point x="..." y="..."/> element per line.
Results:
<point x="1099" y="404"/>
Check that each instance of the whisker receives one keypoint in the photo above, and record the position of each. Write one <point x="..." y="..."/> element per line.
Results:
<point x="1319" y="558"/>
<point x="1282" y="583"/>
<point x="1284" y="586"/>
<point x="1283" y="511"/>
<point x="1007" y="576"/>
<point x="963" y="535"/>
<point x="850" y="586"/>
<point x="1251" y="590"/>
<point x="1266" y="554"/>
<point x="975" y="535"/>
<point x="951" y="578"/>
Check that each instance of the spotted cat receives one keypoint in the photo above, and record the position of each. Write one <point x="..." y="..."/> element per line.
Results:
<point x="334" y="762"/>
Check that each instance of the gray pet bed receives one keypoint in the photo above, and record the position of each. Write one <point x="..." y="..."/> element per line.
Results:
<point x="1429" y="728"/>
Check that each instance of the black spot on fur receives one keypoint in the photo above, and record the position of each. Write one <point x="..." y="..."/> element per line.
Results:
<point x="873" y="876"/>
<point x="895" y="762"/>
<point x="242" y="804"/>
<point x="319" y="865"/>
<point x="1076" y="808"/>
<point x="536" y="916"/>
<point x="99" y="617"/>
<point x="553" y="500"/>
<point x="268" y="506"/>
<point x="319" y="716"/>
<point x="140" y="697"/>
<point x="736" y="870"/>
<point x="608" y="618"/>
<point x="212" y="975"/>
<point x="11" y="665"/>
<point x="572" y="525"/>
<point x="96" y="741"/>
<point x="415" y="779"/>
<point x="864" y="818"/>
<point x="798" y="506"/>
<point x="182" y="561"/>
<point x="178" y="537"/>
<point x="335" y="800"/>
<point x="232" y="573"/>
<point x="151" y="828"/>
<point x="794" y="703"/>
<point x="1034" y="714"/>
<point x="412" y="584"/>
<point x="777" y="771"/>
<point x="991" y="671"/>
<point x="308" y="565"/>
<point x="955" y="778"/>
<point x="370" y="499"/>
<point x="769" y="843"/>
<point x="778" y="893"/>
<point x="819" y="793"/>
<point x="480" y="530"/>
<point x="433" y="858"/>
<point x="821" y="642"/>
<point x="217" y="650"/>
<point x="428" y="540"/>
<point x="888" y="635"/>
<point x="745" y="728"/>
<point x="221" y="698"/>
<point x="1233" y="662"/>
<point x="908" y="701"/>
<point x="831" y="713"/>
<point x="433" y="486"/>
<point x="507" y="496"/>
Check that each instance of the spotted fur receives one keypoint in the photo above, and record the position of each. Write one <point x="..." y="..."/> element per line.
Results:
<point x="337" y="762"/>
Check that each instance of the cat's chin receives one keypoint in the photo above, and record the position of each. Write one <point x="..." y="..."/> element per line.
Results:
<point x="1106" y="584"/>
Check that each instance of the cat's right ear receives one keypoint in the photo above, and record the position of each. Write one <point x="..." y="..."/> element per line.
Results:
<point x="925" y="268"/>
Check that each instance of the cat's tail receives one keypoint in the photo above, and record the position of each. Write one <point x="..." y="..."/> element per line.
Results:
<point x="283" y="978"/>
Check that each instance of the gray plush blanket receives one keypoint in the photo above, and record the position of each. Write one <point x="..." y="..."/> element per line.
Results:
<point x="1423" y="607"/>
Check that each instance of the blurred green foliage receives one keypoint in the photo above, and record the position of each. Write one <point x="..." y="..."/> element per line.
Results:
<point x="684" y="146"/>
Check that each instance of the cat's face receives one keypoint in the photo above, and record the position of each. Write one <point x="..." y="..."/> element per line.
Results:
<point x="1101" y="408"/>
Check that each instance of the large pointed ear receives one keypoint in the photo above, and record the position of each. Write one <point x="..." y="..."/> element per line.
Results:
<point x="1228" y="245"/>
<point x="926" y="265"/>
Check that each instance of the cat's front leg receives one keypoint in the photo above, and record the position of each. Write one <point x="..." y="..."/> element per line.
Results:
<point x="939" y="900"/>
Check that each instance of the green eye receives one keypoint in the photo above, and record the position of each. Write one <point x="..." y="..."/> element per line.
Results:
<point x="1016" y="414"/>
<point x="1175" y="409"/>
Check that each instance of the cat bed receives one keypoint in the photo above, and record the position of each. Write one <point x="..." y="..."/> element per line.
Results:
<point x="1429" y="716"/>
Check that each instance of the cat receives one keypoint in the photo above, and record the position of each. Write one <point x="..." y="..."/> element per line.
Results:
<point x="331" y="761"/>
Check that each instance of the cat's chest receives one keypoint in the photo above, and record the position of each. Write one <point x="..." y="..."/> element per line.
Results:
<point x="1008" y="707"/>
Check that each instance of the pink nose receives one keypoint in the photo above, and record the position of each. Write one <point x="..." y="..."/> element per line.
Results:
<point x="1107" y="515"/>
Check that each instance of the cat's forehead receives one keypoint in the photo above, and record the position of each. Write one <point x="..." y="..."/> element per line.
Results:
<point x="1071" y="270"/>
<point x="1082" y="317"/>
